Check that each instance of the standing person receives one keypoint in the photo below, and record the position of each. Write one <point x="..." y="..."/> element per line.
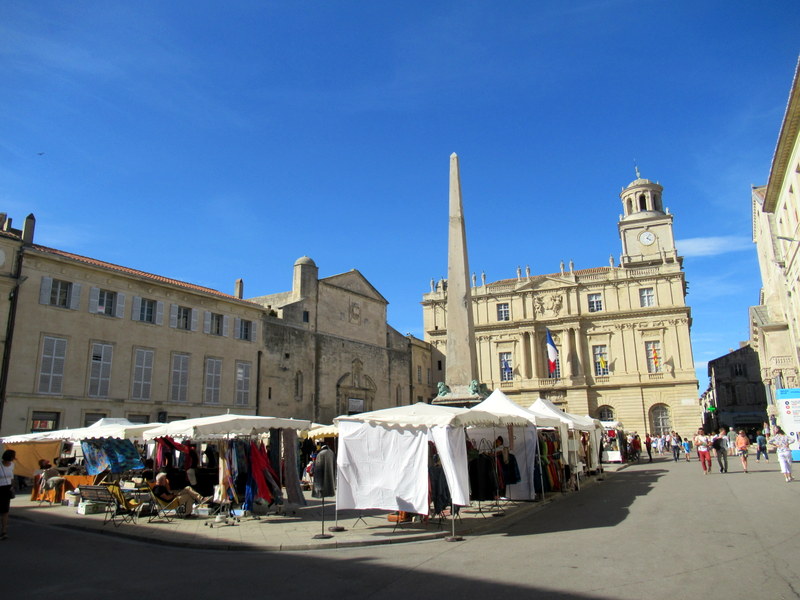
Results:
<point x="687" y="447"/>
<point x="731" y="441"/>
<point x="648" y="443"/>
<point x="761" y="447"/>
<point x="6" y="480"/>
<point x="702" y="443"/>
<point x="742" y="443"/>
<point x="781" y="442"/>
<point x="675" y="446"/>
<point x="720" y="445"/>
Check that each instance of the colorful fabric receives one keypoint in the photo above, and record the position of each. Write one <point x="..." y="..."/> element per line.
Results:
<point x="110" y="454"/>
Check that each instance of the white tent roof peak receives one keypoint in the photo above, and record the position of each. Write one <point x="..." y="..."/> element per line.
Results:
<point x="422" y="414"/>
<point x="221" y="426"/>
<point x="499" y="403"/>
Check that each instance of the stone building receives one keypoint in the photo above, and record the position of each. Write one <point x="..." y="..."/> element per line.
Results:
<point x="774" y="327"/>
<point x="622" y="331"/>
<point x="87" y="339"/>
<point x="735" y="397"/>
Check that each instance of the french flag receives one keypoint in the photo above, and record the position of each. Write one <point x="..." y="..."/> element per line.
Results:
<point x="552" y="352"/>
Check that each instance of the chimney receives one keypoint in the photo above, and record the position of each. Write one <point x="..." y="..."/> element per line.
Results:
<point x="27" y="229"/>
<point x="239" y="289"/>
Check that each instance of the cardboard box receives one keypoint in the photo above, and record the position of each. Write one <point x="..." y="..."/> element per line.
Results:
<point x="90" y="508"/>
<point x="70" y="500"/>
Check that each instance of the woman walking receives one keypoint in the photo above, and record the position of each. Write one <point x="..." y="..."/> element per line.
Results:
<point x="781" y="442"/>
<point x="6" y="480"/>
<point x="742" y="443"/>
<point x="702" y="443"/>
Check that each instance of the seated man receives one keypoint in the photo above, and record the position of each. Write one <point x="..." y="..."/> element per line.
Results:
<point x="186" y="497"/>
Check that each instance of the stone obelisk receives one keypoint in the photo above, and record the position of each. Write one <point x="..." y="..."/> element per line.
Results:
<point x="461" y="373"/>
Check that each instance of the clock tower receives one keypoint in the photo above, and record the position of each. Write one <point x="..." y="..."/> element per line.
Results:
<point x="644" y="227"/>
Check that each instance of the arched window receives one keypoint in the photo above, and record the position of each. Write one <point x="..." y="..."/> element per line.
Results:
<point x="605" y="413"/>
<point x="642" y="202"/>
<point x="630" y="206"/>
<point x="660" y="422"/>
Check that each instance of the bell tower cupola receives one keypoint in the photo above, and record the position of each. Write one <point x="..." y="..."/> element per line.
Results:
<point x="645" y="226"/>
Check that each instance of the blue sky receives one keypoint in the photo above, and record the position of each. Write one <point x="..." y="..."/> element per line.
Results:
<point x="208" y="141"/>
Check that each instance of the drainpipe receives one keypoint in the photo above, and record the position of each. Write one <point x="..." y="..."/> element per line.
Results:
<point x="12" y="316"/>
<point x="258" y="382"/>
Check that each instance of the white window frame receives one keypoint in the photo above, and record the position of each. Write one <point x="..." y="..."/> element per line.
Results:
<point x="243" y="370"/>
<point x="598" y="351"/>
<point x="215" y="324"/>
<point x="244" y="329"/>
<point x="503" y="311"/>
<point x="179" y="386"/>
<point x="51" y="369"/>
<point x="505" y="374"/>
<point x="595" y="301"/>
<point x="142" y="380"/>
<point x="147" y="310"/>
<point x="213" y="380"/>
<point x="59" y="293"/>
<point x="647" y="297"/>
<point x="100" y="369"/>
<point x="654" y="366"/>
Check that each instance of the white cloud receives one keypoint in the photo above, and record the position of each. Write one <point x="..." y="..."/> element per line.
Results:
<point x="713" y="246"/>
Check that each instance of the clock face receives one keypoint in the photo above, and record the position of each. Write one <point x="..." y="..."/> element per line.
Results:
<point x="647" y="237"/>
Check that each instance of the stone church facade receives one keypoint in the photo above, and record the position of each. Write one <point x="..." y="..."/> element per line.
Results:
<point x="622" y="331"/>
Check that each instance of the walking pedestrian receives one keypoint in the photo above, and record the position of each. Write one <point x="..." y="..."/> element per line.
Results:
<point x="648" y="443"/>
<point x="675" y="445"/>
<point x="702" y="443"/>
<point x="720" y="446"/>
<point x="742" y="443"/>
<point x="731" y="441"/>
<point x="687" y="447"/>
<point x="761" y="447"/>
<point x="6" y="493"/>
<point x="781" y="442"/>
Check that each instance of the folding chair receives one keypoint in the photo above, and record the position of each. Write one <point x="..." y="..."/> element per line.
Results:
<point x="161" y="509"/>
<point x="125" y="510"/>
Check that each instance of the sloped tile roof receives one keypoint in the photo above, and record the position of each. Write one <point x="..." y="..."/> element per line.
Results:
<point x="141" y="274"/>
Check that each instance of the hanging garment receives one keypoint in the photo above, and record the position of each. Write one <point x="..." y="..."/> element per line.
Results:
<point x="324" y="474"/>
<point x="294" y="492"/>
<point x="482" y="478"/>
<point x="440" y="492"/>
<point x="511" y="470"/>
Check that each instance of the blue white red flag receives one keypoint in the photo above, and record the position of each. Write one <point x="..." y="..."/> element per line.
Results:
<point x="552" y="353"/>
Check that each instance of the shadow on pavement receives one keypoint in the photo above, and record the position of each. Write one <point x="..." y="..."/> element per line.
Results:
<point x="605" y="504"/>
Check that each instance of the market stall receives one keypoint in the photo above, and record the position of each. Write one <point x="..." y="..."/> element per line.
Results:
<point x="520" y="444"/>
<point x="383" y="460"/>
<point x="584" y="435"/>
<point x="245" y="468"/>
<point x="614" y="446"/>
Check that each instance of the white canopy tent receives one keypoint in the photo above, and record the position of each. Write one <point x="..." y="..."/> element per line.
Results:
<point x="108" y="427"/>
<point x="575" y="423"/>
<point x="524" y="443"/>
<point x="223" y="426"/>
<point x="323" y="431"/>
<point x="383" y="455"/>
